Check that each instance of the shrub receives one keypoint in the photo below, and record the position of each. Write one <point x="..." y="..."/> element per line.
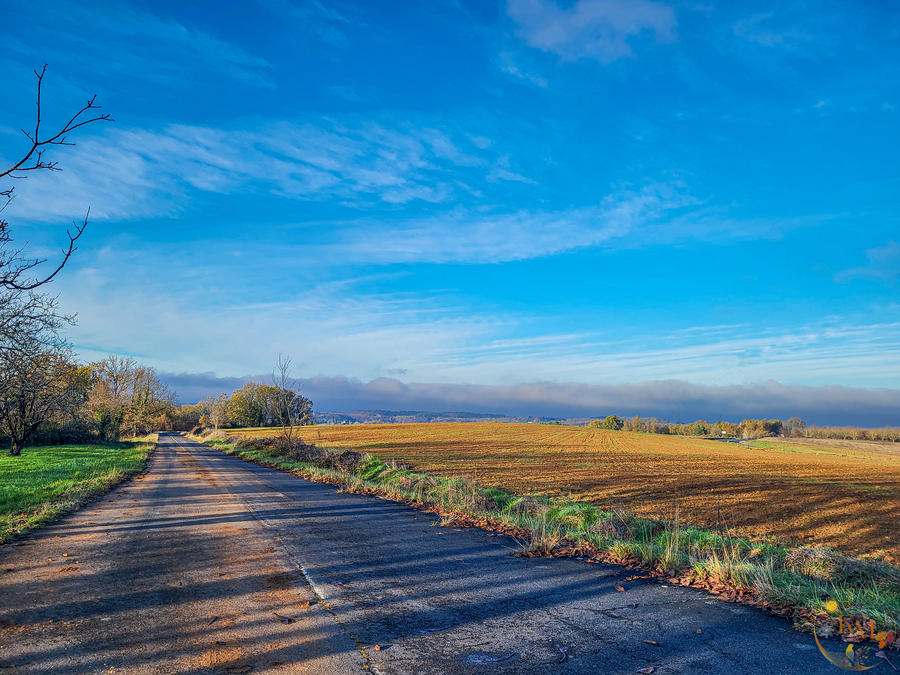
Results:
<point x="613" y="423"/>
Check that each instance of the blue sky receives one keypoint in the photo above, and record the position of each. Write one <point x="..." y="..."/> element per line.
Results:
<point x="511" y="194"/>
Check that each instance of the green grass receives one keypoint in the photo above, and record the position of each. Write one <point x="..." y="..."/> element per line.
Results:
<point x="806" y="576"/>
<point x="45" y="482"/>
<point x="802" y="449"/>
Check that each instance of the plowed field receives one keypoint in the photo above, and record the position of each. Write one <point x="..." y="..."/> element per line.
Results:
<point x="848" y="498"/>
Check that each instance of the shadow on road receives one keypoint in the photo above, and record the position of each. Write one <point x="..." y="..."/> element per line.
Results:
<point x="195" y="569"/>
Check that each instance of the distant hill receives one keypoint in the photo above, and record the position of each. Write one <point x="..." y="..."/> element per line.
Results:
<point x="419" y="416"/>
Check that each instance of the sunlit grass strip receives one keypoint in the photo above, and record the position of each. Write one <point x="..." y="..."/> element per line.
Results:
<point x="46" y="482"/>
<point x="792" y="582"/>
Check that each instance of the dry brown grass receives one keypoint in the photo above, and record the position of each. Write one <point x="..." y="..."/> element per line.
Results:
<point x="844" y="497"/>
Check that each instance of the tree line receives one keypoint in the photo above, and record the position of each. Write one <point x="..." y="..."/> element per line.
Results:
<point x="46" y="398"/>
<point x="746" y="429"/>
<point x="751" y="428"/>
<point x="253" y="405"/>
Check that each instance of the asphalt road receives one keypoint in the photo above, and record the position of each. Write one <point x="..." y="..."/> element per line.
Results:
<point x="211" y="565"/>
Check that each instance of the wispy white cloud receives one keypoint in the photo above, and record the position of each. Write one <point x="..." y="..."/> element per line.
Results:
<point x="325" y="326"/>
<point x="861" y="354"/>
<point x="115" y="181"/>
<point x="327" y="22"/>
<point x="138" y="41"/>
<point x="790" y="31"/>
<point x="501" y="172"/>
<point x="509" y="65"/>
<point x="431" y="193"/>
<point x="596" y="29"/>
<point x="194" y="316"/>
<point x="769" y="31"/>
<point x="462" y="235"/>
<point x="884" y="264"/>
<point x="345" y="92"/>
<point x="133" y="173"/>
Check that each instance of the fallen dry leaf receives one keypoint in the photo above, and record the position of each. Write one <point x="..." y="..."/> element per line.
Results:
<point x="648" y="669"/>
<point x="651" y="642"/>
<point x="618" y="587"/>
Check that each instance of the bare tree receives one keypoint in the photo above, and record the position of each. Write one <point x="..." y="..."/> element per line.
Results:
<point x="151" y="398"/>
<point x="34" y="364"/>
<point x="126" y="396"/>
<point x="289" y="407"/>
<point x="37" y="382"/>
<point x="107" y="401"/>
<point x="27" y="317"/>
<point x="15" y="267"/>
<point x="217" y="410"/>
<point x="34" y="359"/>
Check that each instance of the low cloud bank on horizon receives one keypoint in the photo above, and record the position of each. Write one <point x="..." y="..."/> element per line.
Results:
<point x="674" y="400"/>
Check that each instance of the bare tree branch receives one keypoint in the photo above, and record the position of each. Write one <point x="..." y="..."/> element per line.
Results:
<point x="290" y="408"/>
<point x="14" y="266"/>
<point x="38" y="145"/>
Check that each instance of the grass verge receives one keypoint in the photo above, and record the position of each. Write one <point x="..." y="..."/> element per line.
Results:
<point x="45" y="482"/>
<point x="797" y="583"/>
